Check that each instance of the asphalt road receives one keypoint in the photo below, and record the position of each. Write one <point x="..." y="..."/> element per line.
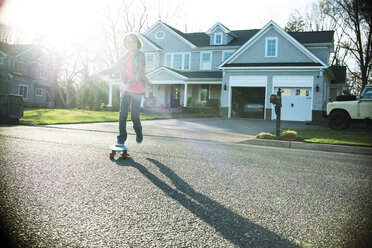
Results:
<point x="58" y="188"/>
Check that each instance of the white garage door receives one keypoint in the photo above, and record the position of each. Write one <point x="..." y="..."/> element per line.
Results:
<point x="296" y="104"/>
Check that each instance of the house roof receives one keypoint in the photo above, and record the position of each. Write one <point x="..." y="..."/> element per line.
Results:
<point x="270" y="64"/>
<point x="340" y="74"/>
<point x="13" y="49"/>
<point x="313" y="37"/>
<point x="200" y="74"/>
<point x="224" y="29"/>
<point x="189" y="75"/>
<point x="203" y="40"/>
<point x="151" y="43"/>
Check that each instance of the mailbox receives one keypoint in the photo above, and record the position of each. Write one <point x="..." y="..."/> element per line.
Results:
<point x="275" y="99"/>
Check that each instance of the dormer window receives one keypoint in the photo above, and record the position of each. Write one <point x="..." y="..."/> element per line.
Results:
<point x="271" y="47"/>
<point x="218" y="38"/>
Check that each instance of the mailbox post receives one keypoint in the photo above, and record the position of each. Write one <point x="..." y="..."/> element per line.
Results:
<point x="277" y="101"/>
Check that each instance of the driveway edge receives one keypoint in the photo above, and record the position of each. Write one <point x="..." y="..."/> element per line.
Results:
<point x="310" y="146"/>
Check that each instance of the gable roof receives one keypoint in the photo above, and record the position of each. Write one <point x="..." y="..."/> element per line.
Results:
<point x="167" y="70"/>
<point x="260" y="33"/>
<point x="16" y="50"/>
<point x="177" y="33"/>
<point x="13" y="49"/>
<point x="151" y="43"/>
<point x="224" y="29"/>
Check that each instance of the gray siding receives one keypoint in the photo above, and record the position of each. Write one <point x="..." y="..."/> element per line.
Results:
<point x="216" y="59"/>
<point x="286" y="51"/>
<point x="171" y="42"/>
<point x="321" y="53"/>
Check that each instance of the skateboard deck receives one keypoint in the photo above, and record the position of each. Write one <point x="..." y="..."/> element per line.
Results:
<point x="121" y="150"/>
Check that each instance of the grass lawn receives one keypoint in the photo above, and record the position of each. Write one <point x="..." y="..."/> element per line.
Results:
<point x="336" y="137"/>
<point x="358" y="137"/>
<point x="66" y="116"/>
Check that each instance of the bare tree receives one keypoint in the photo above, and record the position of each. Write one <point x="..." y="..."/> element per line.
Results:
<point x="353" y="18"/>
<point x="9" y="34"/>
<point x="351" y="21"/>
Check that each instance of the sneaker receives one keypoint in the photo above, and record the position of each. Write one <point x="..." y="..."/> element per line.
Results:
<point x="119" y="144"/>
<point x="139" y="137"/>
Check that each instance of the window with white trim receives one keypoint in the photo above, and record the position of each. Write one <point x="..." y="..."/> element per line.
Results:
<point x="18" y="67"/>
<point x="186" y="61"/>
<point x="168" y="60"/>
<point x="150" y="61"/>
<point x="271" y="47"/>
<point x="226" y="54"/>
<point x="206" y="61"/>
<point x="23" y="91"/>
<point x="218" y="39"/>
<point x="39" y="92"/>
<point x="178" y="61"/>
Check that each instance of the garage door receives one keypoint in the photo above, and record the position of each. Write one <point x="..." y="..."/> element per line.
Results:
<point x="248" y="102"/>
<point x="296" y="104"/>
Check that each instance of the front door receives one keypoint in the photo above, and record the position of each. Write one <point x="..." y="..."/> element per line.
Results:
<point x="175" y="96"/>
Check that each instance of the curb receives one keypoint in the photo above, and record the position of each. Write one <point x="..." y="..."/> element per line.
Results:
<point x="310" y="146"/>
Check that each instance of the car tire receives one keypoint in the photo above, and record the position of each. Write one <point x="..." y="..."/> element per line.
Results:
<point x="339" y="120"/>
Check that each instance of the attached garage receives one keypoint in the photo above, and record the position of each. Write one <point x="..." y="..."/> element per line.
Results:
<point x="248" y="102"/>
<point x="297" y="95"/>
<point x="247" y="96"/>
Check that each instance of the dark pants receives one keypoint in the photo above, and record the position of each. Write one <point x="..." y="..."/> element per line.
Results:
<point x="126" y="99"/>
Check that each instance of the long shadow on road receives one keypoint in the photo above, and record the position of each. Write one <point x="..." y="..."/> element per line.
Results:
<point x="230" y="225"/>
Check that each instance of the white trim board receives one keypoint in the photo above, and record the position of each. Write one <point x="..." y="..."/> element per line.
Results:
<point x="167" y="81"/>
<point x="248" y="81"/>
<point x="293" y="81"/>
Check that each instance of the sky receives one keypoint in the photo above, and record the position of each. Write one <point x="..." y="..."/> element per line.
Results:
<point x="64" y="22"/>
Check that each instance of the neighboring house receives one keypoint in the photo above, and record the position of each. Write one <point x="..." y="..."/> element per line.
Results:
<point x="25" y="71"/>
<point x="239" y="70"/>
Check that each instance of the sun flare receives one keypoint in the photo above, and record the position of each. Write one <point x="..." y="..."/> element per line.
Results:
<point x="57" y="22"/>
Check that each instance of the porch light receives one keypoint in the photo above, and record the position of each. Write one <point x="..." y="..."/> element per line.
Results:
<point x="317" y="88"/>
<point x="225" y="87"/>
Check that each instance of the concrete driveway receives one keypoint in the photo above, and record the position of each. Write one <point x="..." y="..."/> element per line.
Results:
<point x="214" y="129"/>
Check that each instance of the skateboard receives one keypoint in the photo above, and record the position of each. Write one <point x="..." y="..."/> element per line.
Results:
<point x="121" y="150"/>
